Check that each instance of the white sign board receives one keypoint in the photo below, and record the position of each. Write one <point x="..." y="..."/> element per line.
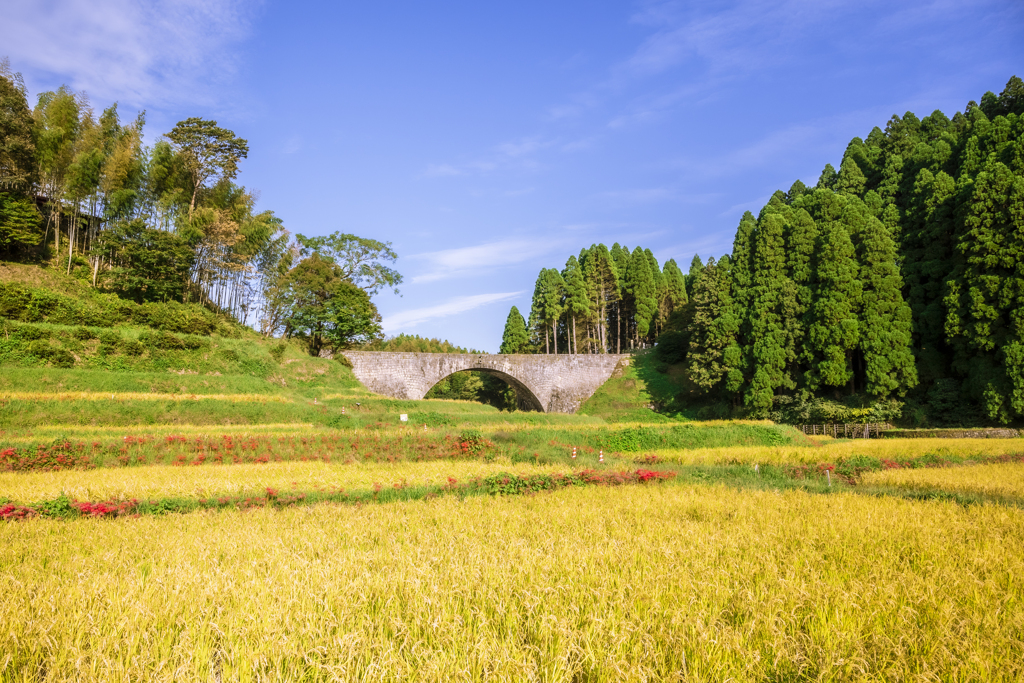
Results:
<point x="403" y="417"/>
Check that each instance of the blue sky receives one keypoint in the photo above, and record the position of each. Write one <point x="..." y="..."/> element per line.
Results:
<point x="488" y="140"/>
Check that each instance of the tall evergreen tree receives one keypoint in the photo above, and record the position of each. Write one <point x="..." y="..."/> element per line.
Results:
<point x="885" y="333"/>
<point x="827" y="179"/>
<point x="675" y="283"/>
<point x="770" y="291"/>
<point x="643" y="291"/>
<point x="515" y="339"/>
<point x="985" y="321"/>
<point x="623" y="302"/>
<point x="835" y="329"/>
<point x="850" y="180"/>
<point x="577" y="302"/>
<point x="552" y="293"/>
<point x="801" y="242"/>
<point x="696" y="266"/>
<point x="713" y="328"/>
<point x="603" y="279"/>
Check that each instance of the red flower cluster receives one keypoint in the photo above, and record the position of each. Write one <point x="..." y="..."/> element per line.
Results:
<point x="106" y="508"/>
<point x="647" y="475"/>
<point x="11" y="511"/>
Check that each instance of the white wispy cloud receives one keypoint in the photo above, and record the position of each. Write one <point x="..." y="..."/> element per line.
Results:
<point x="143" y="53"/>
<point x="462" y="261"/>
<point x="519" y="153"/>
<point x="408" y="319"/>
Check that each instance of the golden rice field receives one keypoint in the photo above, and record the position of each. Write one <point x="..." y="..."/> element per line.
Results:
<point x="1002" y="479"/>
<point x="824" y="449"/>
<point x="168" y="481"/>
<point x="661" y="583"/>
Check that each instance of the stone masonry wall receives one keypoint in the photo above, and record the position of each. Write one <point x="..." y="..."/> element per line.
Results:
<point x="552" y="383"/>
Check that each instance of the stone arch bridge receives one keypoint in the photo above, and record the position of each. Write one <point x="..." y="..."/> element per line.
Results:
<point x="548" y="383"/>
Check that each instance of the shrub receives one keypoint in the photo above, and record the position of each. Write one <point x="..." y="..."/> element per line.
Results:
<point x="60" y="506"/>
<point x="31" y="332"/>
<point x="431" y="419"/>
<point x="277" y="351"/>
<point x="82" y="333"/>
<point x="54" y="355"/>
<point x="109" y="337"/>
<point x="131" y="347"/>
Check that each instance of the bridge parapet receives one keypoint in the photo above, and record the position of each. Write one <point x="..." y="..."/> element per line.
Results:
<point x="550" y="383"/>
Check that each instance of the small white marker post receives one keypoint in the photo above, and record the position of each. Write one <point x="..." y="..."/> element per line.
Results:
<point x="573" y="452"/>
<point x="424" y="427"/>
<point x="600" y="456"/>
<point x="828" y="474"/>
<point x="757" y="468"/>
<point x="343" y="410"/>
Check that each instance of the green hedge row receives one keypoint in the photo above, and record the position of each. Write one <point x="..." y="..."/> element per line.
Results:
<point x="31" y="304"/>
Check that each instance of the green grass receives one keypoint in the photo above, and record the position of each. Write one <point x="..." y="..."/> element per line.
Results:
<point x="644" y="391"/>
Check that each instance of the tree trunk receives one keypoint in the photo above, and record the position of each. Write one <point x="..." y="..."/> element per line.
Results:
<point x="554" y="335"/>
<point x="547" y="347"/>
<point x="618" y="327"/>
<point x="575" y="344"/>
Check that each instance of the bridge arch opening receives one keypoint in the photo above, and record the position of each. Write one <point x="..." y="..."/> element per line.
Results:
<point x="524" y="399"/>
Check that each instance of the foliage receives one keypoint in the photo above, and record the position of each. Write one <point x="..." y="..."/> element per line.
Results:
<point x="32" y="304"/>
<point x="896" y="280"/>
<point x="327" y="309"/>
<point x="411" y="343"/>
<point x="206" y="152"/>
<point x="515" y="338"/>
<point x="145" y="264"/>
<point x="359" y="258"/>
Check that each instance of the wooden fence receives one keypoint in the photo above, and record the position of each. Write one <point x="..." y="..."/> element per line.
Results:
<point x="871" y="430"/>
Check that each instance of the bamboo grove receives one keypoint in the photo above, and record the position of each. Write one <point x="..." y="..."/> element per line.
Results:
<point x="150" y="223"/>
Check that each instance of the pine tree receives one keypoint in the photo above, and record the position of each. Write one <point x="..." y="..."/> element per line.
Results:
<point x="801" y="241"/>
<point x="623" y="301"/>
<point x="641" y="287"/>
<point x="795" y="190"/>
<point x="600" y="270"/>
<point x="851" y="180"/>
<point x="537" y="324"/>
<point x="515" y="338"/>
<point x="696" y="266"/>
<point x="675" y="283"/>
<point x="885" y="333"/>
<point x="769" y="294"/>
<point x="713" y="329"/>
<point x="835" y="330"/>
<point x="827" y="179"/>
<point x="662" y="306"/>
<point x="740" y="271"/>
<point x="551" y="302"/>
<point x="577" y="301"/>
<point x="985" y="321"/>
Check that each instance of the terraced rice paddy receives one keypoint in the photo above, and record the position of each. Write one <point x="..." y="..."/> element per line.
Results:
<point x="761" y="577"/>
